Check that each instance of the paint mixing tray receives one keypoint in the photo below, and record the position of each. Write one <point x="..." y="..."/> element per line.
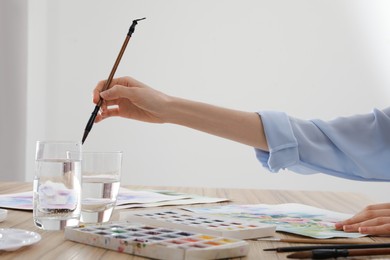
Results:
<point x="156" y="242"/>
<point x="193" y="222"/>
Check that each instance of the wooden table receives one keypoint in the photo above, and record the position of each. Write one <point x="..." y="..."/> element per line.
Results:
<point x="54" y="246"/>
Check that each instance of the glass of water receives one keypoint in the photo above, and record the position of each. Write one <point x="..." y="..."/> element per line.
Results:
<point x="101" y="172"/>
<point x="57" y="185"/>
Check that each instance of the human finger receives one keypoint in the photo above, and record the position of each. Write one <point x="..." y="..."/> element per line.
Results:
<point x="383" y="229"/>
<point x="367" y="223"/>
<point x="109" y="112"/>
<point x="96" y="91"/>
<point x="108" y="103"/>
<point x="362" y="216"/>
<point x="106" y="113"/>
<point x="98" y="118"/>
<point x="369" y="211"/>
<point x="378" y="206"/>
<point x="117" y="91"/>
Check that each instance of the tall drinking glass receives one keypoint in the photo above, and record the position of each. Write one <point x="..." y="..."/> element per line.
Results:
<point x="101" y="173"/>
<point x="57" y="185"/>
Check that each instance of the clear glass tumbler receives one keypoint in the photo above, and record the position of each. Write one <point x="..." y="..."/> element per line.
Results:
<point x="57" y="185"/>
<point x="101" y="172"/>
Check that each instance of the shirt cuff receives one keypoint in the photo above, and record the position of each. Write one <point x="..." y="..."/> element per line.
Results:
<point x="282" y="144"/>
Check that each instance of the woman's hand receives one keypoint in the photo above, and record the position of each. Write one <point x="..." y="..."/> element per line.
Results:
<point x="129" y="98"/>
<point x="373" y="220"/>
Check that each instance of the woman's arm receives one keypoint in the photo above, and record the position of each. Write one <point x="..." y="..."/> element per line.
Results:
<point x="129" y="98"/>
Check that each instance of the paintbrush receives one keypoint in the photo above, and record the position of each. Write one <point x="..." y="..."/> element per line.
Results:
<point x="344" y="246"/>
<point x="334" y="253"/>
<point x="311" y="240"/>
<point x="91" y="120"/>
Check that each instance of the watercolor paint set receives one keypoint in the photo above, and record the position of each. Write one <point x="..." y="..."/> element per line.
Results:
<point x="157" y="242"/>
<point x="193" y="222"/>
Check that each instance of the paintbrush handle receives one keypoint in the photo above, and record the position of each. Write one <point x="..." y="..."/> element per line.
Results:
<point x="313" y="241"/>
<point x="91" y="120"/>
<point x="323" y="241"/>
<point x="113" y="70"/>
<point x="334" y="253"/>
<point x="345" y="246"/>
<point x="119" y="57"/>
<point x="362" y="252"/>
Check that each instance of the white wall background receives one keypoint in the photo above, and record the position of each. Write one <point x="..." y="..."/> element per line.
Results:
<point x="313" y="59"/>
<point x="13" y="86"/>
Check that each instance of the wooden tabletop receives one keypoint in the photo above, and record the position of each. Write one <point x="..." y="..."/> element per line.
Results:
<point x="54" y="246"/>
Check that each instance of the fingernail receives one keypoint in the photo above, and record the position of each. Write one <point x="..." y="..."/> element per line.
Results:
<point x="363" y="230"/>
<point x="104" y="93"/>
<point x="338" y="225"/>
<point x="346" y="227"/>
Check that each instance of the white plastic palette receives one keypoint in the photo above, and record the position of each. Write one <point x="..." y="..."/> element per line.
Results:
<point x="193" y="222"/>
<point x="12" y="239"/>
<point x="3" y="214"/>
<point x="156" y="242"/>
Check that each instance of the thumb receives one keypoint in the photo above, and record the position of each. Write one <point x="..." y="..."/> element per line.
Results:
<point x="116" y="92"/>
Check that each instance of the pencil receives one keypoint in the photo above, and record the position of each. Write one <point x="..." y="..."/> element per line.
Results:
<point x="344" y="246"/>
<point x="334" y="253"/>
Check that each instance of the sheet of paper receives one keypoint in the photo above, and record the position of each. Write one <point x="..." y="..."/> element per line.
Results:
<point x="189" y="199"/>
<point x="126" y="199"/>
<point x="22" y="200"/>
<point x="291" y="217"/>
<point x="127" y="196"/>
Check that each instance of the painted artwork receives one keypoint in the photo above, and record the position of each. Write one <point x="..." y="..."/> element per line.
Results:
<point x="22" y="200"/>
<point x="127" y="196"/>
<point x="292" y="218"/>
<point x="179" y="199"/>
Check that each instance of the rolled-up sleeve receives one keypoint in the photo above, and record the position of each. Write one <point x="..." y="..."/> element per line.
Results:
<point x="355" y="147"/>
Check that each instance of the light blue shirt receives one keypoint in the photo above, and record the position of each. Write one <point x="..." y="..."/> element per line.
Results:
<point x="355" y="147"/>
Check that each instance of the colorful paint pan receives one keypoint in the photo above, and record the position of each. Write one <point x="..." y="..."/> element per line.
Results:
<point x="160" y="243"/>
<point x="193" y="222"/>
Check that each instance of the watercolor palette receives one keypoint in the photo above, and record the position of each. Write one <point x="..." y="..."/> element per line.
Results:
<point x="193" y="222"/>
<point x="156" y="242"/>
